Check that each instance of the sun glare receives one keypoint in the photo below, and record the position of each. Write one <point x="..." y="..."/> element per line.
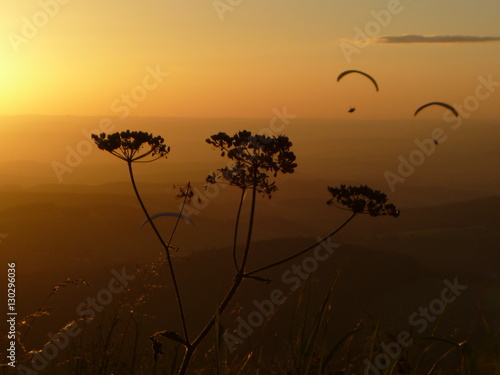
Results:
<point x="7" y="73"/>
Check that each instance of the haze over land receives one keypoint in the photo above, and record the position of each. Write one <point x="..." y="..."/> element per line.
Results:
<point x="91" y="220"/>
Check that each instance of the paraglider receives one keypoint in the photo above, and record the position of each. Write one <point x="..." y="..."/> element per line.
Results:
<point x="174" y="214"/>
<point x="359" y="72"/>
<point x="447" y="106"/>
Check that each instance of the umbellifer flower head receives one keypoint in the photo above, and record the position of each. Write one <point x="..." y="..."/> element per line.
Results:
<point x="362" y="200"/>
<point x="132" y="146"/>
<point x="254" y="158"/>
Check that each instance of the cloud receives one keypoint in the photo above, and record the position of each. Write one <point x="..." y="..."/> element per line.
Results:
<point x="405" y="39"/>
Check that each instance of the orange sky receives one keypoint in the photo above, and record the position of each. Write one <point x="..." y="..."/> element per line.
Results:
<point x="85" y="58"/>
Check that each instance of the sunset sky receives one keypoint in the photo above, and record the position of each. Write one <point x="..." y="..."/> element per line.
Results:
<point x="244" y="59"/>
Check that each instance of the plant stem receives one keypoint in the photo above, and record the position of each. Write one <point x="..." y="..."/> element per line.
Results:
<point x="250" y="228"/>
<point x="225" y="302"/>
<point x="167" y="251"/>
<point x="304" y="250"/>
<point x="236" y="230"/>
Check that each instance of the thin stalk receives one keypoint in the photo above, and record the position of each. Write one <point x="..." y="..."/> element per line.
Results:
<point x="167" y="251"/>
<point x="250" y="229"/>
<point x="236" y="230"/>
<point x="186" y="360"/>
<point x="304" y="250"/>
<point x="188" y="188"/>
<point x="225" y="302"/>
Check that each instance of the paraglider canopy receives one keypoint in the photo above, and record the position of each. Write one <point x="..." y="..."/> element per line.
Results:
<point x="359" y="72"/>
<point x="447" y="106"/>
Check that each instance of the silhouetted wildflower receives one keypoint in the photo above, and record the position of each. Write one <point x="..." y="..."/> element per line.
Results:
<point x="254" y="158"/>
<point x="185" y="192"/>
<point x="362" y="200"/>
<point x="127" y="145"/>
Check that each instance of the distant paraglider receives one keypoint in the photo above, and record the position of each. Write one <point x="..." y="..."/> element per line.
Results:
<point x="359" y="72"/>
<point x="440" y="104"/>
<point x="174" y="214"/>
